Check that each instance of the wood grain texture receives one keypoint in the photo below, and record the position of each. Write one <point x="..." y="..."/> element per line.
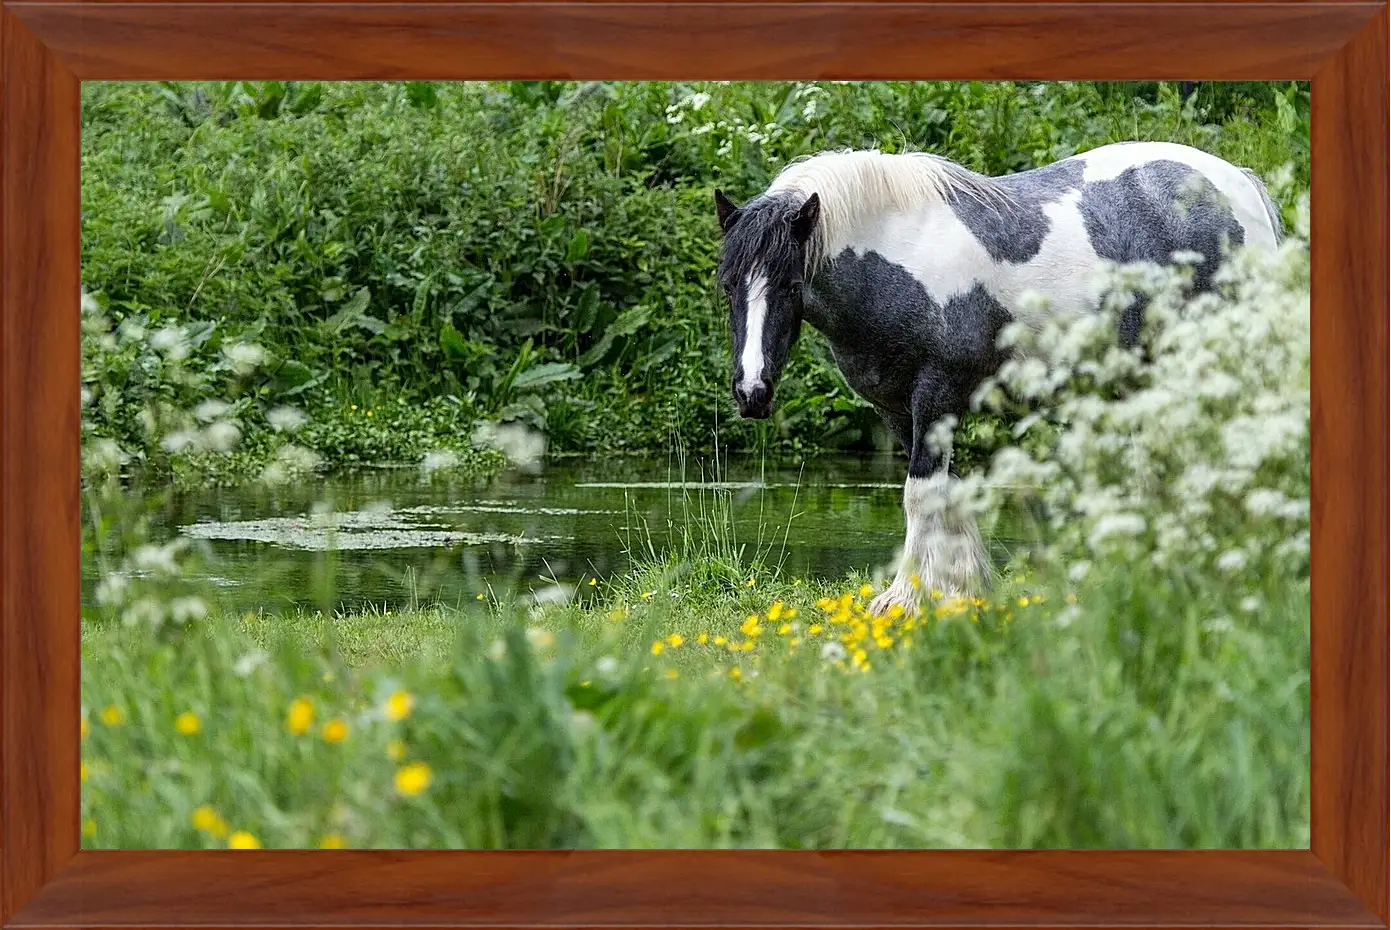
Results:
<point x="45" y="883"/>
<point x="694" y="889"/>
<point x="1348" y="247"/>
<point x="850" y="41"/>
<point x="39" y="430"/>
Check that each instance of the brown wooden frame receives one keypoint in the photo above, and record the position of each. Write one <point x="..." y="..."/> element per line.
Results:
<point x="47" y="48"/>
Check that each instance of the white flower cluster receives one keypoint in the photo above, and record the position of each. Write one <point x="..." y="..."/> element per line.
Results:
<point x="694" y="113"/>
<point x="1198" y="456"/>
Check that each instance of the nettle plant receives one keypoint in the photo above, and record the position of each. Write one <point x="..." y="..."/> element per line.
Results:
<point x="1196" y="459"/>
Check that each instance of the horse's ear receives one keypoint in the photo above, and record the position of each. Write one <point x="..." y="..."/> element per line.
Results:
<point x="726" y="209"/>
<point x="804" y="220"/>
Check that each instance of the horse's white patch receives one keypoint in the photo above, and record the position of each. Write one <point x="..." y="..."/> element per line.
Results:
<point x="1110" y="161"/>
<point x="756" y="314"/>
<point x="942" y="254"/>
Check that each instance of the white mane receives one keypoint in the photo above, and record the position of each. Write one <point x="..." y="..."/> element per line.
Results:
<point x="859" y="185"/>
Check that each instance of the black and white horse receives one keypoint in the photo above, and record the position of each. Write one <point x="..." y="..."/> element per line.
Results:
<point x="910" y="265"/>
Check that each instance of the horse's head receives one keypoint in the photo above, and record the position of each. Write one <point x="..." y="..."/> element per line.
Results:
<point x="762" y="271"/>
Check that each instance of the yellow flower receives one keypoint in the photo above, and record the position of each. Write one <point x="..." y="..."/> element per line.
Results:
<point x="395" y="750"/>
<point x="1023" y="601"/>
<point x="332" y="841"/>
<point x="352" y="407"/>
<point x="895" y="611"/>
<point x="399" y="705"/>
<point x="775" y="612"/>
<point x="647" y="595"/>
<point x="89" y="827"/>
<point x="747" y="646"/>
<point x="657" y="647"/>
<point x="749" y="583"/>
<point x="369" y="413"/>
<point x="86" y="728"/>
<point x="791" y="612"/>
<point x="480" y="596"/>
<point x="719" y="640"/>
<point x="301" y="716"/>
<point x="814" y="629"/>
<point x="188" y="723"/>
<point x="703" y="638"/>
<point x="795" y="641"/>
<point x="784" y="629"/>
<point x="84" y="771"/>
<point x="113" y="716"/>
<point x="675" y="639"/>
<point x="618" y="613"/>
<point x="413" y="779"/>
<point x="209" y="821"/>
<point x="736" y="673"/>
<point x="243" y="840"/>
<point x="915" y="581"/>
<point x="593" y="582"/>
<point x="334" y="731"/>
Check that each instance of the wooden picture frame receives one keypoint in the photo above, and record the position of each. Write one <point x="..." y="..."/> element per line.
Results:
<point x="48" y="48"/>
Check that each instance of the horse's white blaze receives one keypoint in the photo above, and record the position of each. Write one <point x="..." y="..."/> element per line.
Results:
<point x="756" y="314"/>
<point x="1110" y="161"/>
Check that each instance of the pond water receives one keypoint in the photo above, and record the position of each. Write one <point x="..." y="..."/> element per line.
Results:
<point x="392" y="537"/>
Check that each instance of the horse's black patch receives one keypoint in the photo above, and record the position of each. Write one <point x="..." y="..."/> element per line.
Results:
<point x="1150" y="211"/>
<point x="916" y="360"/>
<point x="1015" y="232"/>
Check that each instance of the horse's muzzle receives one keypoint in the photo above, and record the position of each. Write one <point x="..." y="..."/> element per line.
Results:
<point x="755" y="403"/>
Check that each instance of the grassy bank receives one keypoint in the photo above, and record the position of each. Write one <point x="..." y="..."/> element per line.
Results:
<point x="662" y="715"/>
<point x="540" y="253"/>
<point x="1139" y="677"/>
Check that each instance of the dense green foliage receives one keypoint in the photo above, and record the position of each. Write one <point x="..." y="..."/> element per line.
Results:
<point x="540" y="252"/>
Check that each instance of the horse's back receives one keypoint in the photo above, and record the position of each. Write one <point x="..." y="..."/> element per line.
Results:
<point x="1148" y="178"/>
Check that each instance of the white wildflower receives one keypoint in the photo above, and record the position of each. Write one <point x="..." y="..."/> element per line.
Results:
<point x="221" y="436"/>
<point x="183" y="609"/>
<point x="439" y="460"/>
<point x="285" y="419"/>
<point x="245" y="357"/>
<point x="210" y="410"/>
<point x="250" y="662"/>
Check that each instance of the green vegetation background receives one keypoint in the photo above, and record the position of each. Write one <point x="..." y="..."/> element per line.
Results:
<point x="445" y="254"/>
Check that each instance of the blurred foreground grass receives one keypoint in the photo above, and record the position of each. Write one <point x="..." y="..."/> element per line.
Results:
<point x="679" y="710"/>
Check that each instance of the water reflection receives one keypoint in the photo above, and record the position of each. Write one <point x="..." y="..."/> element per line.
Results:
<point x="388" y="537"/>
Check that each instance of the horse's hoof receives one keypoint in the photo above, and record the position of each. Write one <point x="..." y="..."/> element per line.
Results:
<point x="899" y="594"/>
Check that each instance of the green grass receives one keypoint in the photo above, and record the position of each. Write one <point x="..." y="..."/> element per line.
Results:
<point x="1131" y="724"/>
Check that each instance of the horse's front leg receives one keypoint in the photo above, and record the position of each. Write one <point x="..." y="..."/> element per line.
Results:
<point x="942" y="548"/>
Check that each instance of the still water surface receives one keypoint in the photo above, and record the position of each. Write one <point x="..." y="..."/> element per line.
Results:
<point x="397" y="538"/>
